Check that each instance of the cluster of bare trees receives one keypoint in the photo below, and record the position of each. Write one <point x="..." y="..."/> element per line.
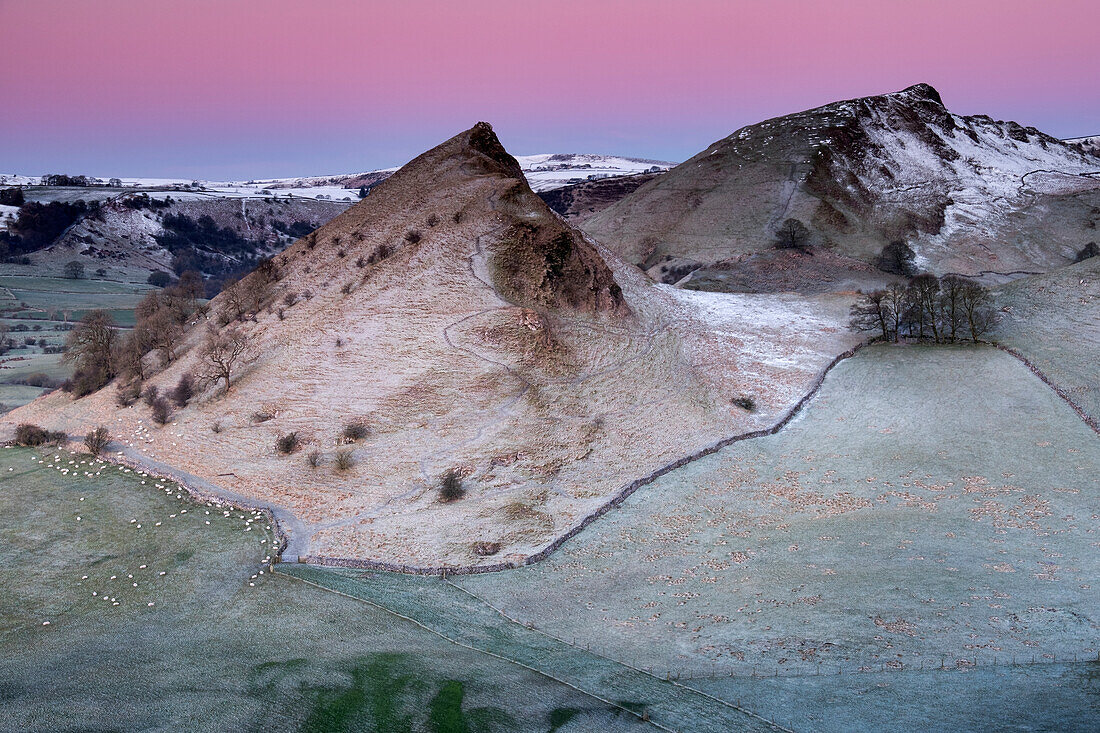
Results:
<point x="99" y="353"/>
<point x="945" y="310"/>
<point x="92" y="348"/>
<point x="162" y="317"/>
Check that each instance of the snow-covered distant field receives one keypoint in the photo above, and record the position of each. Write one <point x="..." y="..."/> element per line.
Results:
<point x="545" y="171"/>
<point x="553" y="170"/>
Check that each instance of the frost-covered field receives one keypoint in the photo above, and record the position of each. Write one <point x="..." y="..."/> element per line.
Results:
<point x="1054" y="321"/>
<point x="912" y="517"/>
<point x="128" y="607"/>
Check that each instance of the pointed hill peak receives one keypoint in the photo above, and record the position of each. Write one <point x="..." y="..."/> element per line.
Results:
<point x="922" y="91"/>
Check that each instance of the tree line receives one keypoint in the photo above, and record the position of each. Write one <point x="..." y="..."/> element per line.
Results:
<point x="943" y="309"/>
<point x="99" y="352"/>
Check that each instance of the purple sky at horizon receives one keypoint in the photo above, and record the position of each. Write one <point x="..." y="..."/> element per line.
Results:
<point x="244" y="89"/>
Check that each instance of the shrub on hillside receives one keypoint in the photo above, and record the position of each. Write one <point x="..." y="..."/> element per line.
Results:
<point x="450" y="486"/>
<point x="313" y="459"/>
<point x="413" y="236"/>
<point x="34" y="435"/>
<point x="128" y="395"/>
<point x="288" y="443"/>
<point x="745" y="403"/>
<point x="162" y="411"/>
<point x="184" y="390"/>
<point x="344" y="460"/>
<point x="897" y="258"/>
<point x="1089" y="250"/>
<point x="266" y="412"/>
<point x="11" y="197"/>
<point x="97" y="440"/>
<point x="38" y="225"/>
<point x="354" y="431"/>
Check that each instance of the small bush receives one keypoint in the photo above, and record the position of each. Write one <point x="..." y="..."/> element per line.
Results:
<point x="413" y="236"/>
<point x="150" y="395"/>
<point x="1089" y="251"/>
<point x="290" y="299"/>
<point x="265" y="413"/>
<point x="344" y="460"/>
<point x="457" y="217"/>
<point x="281" y="314"/>
<point x="346" y="288"/>
<point x="162" y="411"/>
<point x="33" y="435"/>
<point x="287" y="443"/>
<point x="361" y="262"/>
<point x="216" y="427"/>
<point x="450" y="486"/>
<point x="313" y="459"/>
<point x="38" y="379"/>
<point x="354" y="431"/>
<point x="745" y="403"/>
<point x="341" y="252"/>
<point x="184" y="391"/>
<point x="97" y="440"/>
<point x="433" y="219"/>
<point x="128" y="395"/>
<point x="485" y="549"/>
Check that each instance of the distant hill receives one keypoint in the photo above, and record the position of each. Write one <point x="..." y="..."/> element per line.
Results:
<point x="966" y="194"/>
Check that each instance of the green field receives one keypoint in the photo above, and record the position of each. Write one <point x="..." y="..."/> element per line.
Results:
<point x="51" y="305"/>
<point x="198" y="639"/>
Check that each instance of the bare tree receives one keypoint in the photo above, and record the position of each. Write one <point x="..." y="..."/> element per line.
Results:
<point x="792" y="234"/>
<point x="221" y="353"/>
<point x="90" y="348"/>
<point x="951" y="307"/>
<point x="870" y="313"/>
<point x="164" y="332"/>
<point x="924" y="292"/>
<point x="130" y="354"/>
<point x="97" y="440"/>
<point x="975" y="302"/>
<point x="895" y="302"/>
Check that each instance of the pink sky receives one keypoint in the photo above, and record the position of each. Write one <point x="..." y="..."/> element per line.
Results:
<point x="233" y="88"/>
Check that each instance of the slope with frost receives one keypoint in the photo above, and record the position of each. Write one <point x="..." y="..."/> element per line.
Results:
<point x="1090" y="144"/>
<point x="1053" y="319"/>
<point x="472" y="330"/>
<point x="968" y="194"/>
